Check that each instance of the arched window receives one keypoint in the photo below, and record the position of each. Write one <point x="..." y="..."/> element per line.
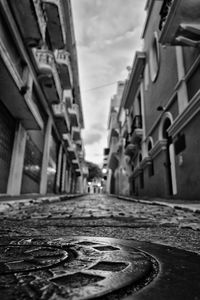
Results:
<point x="165" y="123"/>
<point x="154" y="57"/>
<point x="150" y="145"/>
<point x="149" y="148"/>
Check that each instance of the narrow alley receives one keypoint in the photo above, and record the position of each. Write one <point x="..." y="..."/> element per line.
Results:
<point x="99" y="150"/>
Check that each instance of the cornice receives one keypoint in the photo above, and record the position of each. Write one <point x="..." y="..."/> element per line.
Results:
<point x="159" y="146"/>
<point x="146" y="162"/>
<point x="186" y="116"/>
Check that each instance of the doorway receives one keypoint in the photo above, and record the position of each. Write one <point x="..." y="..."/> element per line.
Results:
<point x="170" y="159"/>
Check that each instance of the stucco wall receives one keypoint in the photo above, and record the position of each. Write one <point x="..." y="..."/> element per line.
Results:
<point x="160" y="91"/>
<point x="155" y="186"/>
<point x="188" y="174"/>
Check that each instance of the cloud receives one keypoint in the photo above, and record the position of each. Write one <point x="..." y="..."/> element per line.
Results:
<point x="107" y="34"/>
<point x="98" y="126"/>
<point x="106" y="19"/>
<point x="91" y="138"/>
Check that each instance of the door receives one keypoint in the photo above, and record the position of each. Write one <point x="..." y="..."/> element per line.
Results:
<point x="170" y="160"/>
<point x="7" y="133"/>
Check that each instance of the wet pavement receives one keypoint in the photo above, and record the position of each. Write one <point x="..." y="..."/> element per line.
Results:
<point x="125" y="249"/>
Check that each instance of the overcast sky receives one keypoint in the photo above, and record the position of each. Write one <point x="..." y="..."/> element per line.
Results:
<point x="107" y="34"/>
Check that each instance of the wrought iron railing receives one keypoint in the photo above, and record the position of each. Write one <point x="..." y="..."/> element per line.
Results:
<point x="137" y="123"/>
<point x="165" y="12"/>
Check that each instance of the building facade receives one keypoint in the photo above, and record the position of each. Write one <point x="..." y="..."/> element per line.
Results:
<point x="112" y="154"/>
<point x="161" y="104"/>
<point x="41" y="149"/>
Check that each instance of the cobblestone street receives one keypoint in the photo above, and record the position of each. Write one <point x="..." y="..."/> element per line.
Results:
<point x="99" y="215"/>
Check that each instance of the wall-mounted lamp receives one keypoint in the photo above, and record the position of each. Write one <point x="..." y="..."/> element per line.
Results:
<point x="160" y="108"/>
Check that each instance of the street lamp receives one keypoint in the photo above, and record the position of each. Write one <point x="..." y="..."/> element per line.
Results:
<point x="104" y="171"/>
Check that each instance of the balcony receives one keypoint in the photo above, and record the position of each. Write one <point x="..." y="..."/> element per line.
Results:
<point x="81" y="155"/>
<point x="67" y="140"/>
<point x="85" y="171"/>
<point x="55" y="22"/>
<point x="74" y="115"/>
<point x="61" y="117"/>
<point x="78" y="172"/>
<point x="17" y="96"/>
<point x="72" y="151"/>
<point x="124" y="130"/>
<point x="113" y="133"/>
<point x="68" y="98"/>
<point x="113" y="157"/>
<point x="132" y="86"/>
<point x="180" y="22"/>
<point x="48" y="77"/>
<point x="130" y="150"/>
<point x="64" y="68"/>
<point x="75" y="163"/>
<point x="106" y="151"/>
<point x="136" y="129"/>
<point x="76" y="134"/>
<point x="30" y="20"/>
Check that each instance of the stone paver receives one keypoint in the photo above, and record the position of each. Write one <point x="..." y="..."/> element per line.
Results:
<point x="97" y="215"/>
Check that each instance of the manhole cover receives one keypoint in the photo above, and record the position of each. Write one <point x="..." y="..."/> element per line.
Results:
<point x="73" y="268"/>
<point x="104" y="268"/>
<point x="23" y="258"/>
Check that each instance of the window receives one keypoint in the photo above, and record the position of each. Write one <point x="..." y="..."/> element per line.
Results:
<point x="154" y="58"/>
<point x="142" y="180"/>
<point x="150" y="146"/>
<point x="151" y="165"/>
<point x="146" y="77"/>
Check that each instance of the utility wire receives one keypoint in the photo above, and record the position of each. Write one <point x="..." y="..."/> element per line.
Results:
<point x="100" y="87"/>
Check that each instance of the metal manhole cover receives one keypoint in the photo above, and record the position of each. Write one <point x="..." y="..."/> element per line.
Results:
<point x="73" y="268"/>
<point x="25" y="258"/>
<point x="104" y="268"/>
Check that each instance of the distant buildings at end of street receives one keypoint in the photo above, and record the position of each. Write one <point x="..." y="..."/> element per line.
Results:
<point x="153" y="141"/>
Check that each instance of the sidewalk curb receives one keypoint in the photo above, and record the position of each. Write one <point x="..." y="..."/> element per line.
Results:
<point x="19" y="203"/>
<point x="150" y="202"/>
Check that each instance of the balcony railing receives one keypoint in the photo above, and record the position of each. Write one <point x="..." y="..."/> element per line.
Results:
<point x="72" y="151"/>
<point x="180" y="22"/>
<point x="64" y="65"/>
<point x="55" y="22"/>
<point x="41" y="17"/>
<point x="130" y="149"/>
<point x="137" y="123"/>
<point x="67" y="140"/>
<point x="74" y="115"/>
<point x="76" y="163"/>
<point x="136" y="129"/>
<point x="30" y="18"/>
<point x="167" y="4"/>
<point x="61" y="116"/>
<point x="76" y="133"/>
<point x="68" y="97"/>
<point x="49" y="74"/>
